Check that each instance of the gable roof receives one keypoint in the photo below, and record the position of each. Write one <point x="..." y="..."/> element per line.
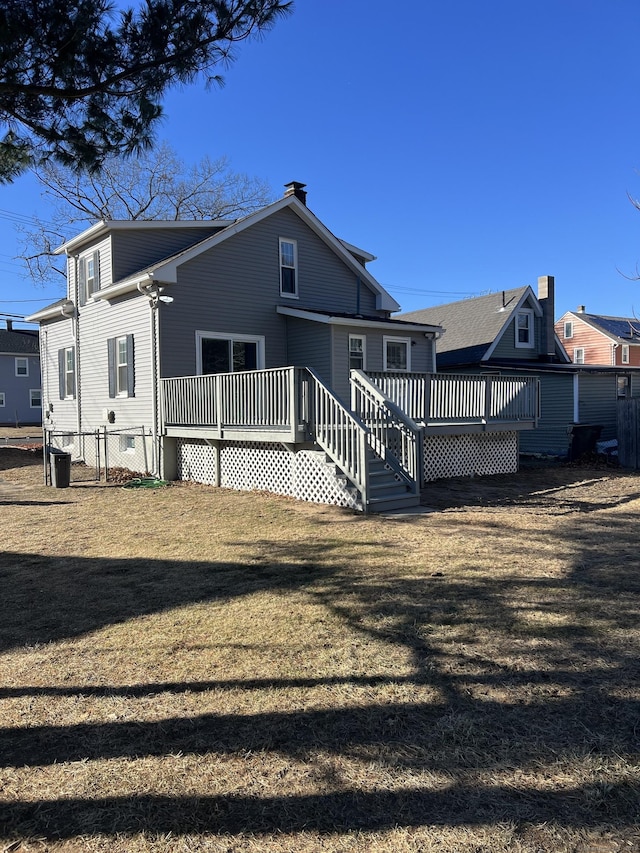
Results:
<point x="472" y="327"/>
<point x="624" y="330"/>
<point x="165" y="269"/>
<point x="19" y="342"/>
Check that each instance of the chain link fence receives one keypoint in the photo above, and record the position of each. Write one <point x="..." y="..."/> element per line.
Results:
<point x="99" y="454"/>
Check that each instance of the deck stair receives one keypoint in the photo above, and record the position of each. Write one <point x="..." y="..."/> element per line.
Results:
<point x="386" y="490"/>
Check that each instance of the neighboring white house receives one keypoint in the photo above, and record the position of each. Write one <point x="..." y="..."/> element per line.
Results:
<point x="240" y="353"/>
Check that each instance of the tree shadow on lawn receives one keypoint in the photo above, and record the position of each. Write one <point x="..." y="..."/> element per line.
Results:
<point x="516" y="696"/>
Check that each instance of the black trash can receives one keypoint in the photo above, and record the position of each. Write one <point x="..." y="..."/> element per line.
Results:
<point x="583" y="439"/>
<point x="60" y="463"/>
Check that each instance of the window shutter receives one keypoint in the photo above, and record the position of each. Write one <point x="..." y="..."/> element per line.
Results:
<point x="73" y="356"/>
<point x="111" y="353"/>
<point x="130" y="371"/>
<point x="82" y="281"/>
<point x="96" y="271"/>
<point x="61" y="373"/>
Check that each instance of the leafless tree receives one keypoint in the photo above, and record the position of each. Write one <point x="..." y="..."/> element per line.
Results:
<point x="156" y="185"/>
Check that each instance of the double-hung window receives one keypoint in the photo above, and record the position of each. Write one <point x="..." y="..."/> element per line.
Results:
<point x="357" y="352"/>
<point x="121" y="373"/>
<point x="218" y="352"/>
<point x="35" y="398"/>
<point x="524" y="329"/>
<point x="88" y="276"/>
<point x="396" y="354"/>
<point x="22" y="366"/>
<point x="2" y="400"/>
<point x="67" y="373"/>
<point x="578" y="355"/>
<point x="625" y="353"/>
<point x="568" y="329"/>
<point x="288" y="268"/>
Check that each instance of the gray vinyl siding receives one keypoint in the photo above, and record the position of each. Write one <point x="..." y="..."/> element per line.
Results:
<point x="16" y="389"/>
<point x="309" y="345"/>
<point x="556" y="417"/>
<point x="103" y="247"/>
<point x="235" y="287"/>
<point x="597" y="400"/>
<point x="54" y="336"/>
<point x="134" y="250"/>
<point x="506" y="346"/>
<point x="98" y="322"/>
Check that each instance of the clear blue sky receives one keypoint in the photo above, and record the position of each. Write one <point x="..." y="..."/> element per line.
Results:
<point x="471" y="146"/>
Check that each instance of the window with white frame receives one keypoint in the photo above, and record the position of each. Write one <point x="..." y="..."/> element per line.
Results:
<point x="357" y="352"/>
<point x="22" y="366"/>
<point x="396" y="354"/>
<point x="121" y="367"/>
<point x="128" y="443"/>
<point x="524" y="328"/>
<point x="89" y="276"/>
<point x="218" y="352"/>
<point x="67" y="373"/>
<point x="624" y="355"/>
<point x="2" y="400"/>
<point x="288" y="267"/>
<point x="578" y="355"/>
<point x="35" y="398"/>
<point x="568" y="329"/>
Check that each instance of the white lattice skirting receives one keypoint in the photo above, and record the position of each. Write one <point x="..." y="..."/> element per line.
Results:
<point x="469" y="455"/>
<point x="249" y="466"/>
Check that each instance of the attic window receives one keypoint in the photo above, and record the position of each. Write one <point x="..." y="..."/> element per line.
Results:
<point x="524" y="329"/>
<point x="625" y="353"/>
<point x="568" y="329"/>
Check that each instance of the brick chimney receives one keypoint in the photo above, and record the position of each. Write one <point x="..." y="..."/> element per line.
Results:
<point x="546" y="297"/>
<point x="297" y="189"/>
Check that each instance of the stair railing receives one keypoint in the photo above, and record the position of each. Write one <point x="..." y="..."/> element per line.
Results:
<point x="394" y="436"/>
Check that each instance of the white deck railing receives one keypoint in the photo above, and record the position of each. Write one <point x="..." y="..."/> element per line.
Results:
<point x="439" y="398"/>
<point x="291" y="403"/>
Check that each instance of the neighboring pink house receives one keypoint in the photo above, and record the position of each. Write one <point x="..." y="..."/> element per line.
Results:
<point x="599" y="339"/>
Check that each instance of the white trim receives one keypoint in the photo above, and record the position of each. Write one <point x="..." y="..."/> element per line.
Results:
<point x="286" y="294"/>
<point x="387" y="339"/>
<point x="362" y="338"/>
<point x="3" y="400"/>
<point x="537" y="309"/>
<point x="624" y="354"/>
<point x="33" y="391"/>
<point x="316" y="317"/>
<point x="26" y="362"/>
<point x="531" y="342"/>
<point x="229" y="336"/>
<point x="106" y="226"/>
<point x="569" y="324"/>
<point x="577" y="350"/>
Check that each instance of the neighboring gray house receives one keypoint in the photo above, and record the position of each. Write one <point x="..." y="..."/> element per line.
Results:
<point x="20" y="396"/>
<point x="244" y="353"/>
<point x="511" y="333"/>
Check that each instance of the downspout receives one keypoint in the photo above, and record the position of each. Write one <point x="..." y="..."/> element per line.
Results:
<point x="154" y="332"/>
<point x="76" y="325"/>
<point x="614" y="347"/>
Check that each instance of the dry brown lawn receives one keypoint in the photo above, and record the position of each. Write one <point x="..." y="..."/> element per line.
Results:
<point x="192" y="669"/>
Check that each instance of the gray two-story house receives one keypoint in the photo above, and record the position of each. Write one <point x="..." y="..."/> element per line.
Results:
<point x="241" y="353"/>
<point x="20" y="398"/>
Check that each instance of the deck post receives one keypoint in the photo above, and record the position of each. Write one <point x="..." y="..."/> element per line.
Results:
<point x="218" y="397"/>
<point x="293" y="404"/>
<point x="488" y="398"/>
